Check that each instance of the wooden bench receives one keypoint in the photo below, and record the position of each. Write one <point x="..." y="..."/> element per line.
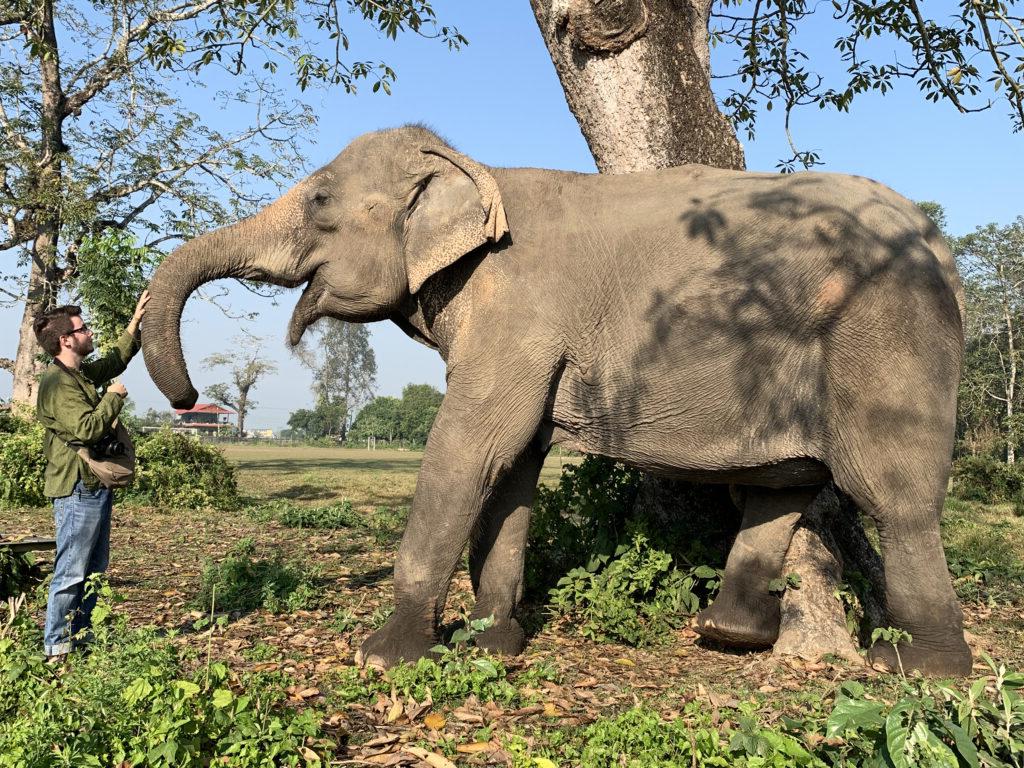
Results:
<point x="27" y="544"/>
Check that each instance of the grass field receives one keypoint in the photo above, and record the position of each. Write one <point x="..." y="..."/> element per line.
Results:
<point x="158" y="556"/>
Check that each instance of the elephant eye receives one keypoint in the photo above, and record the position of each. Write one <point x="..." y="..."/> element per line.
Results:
<point x="320" y="199"/>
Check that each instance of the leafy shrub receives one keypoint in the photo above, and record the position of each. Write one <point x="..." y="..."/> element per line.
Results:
<point x="21" y="462"/>
<point x="988" y="480"/>
<point x="931" y="724"/>
<point x="641" y="738"/>
<point x="584" y="516"/>
<point x="635" y="596"/>
<point x="17" y="574"/>
<point x="180" y="471"/>
<point x="133" y="700"/>
<point x="242" y="582"/>
<point x="173" y="470"/>
<point x="450" y="676"/>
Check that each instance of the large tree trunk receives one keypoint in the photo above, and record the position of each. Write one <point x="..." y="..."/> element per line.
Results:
<point x="636" y="75"/>
<point x="45" y="276"/>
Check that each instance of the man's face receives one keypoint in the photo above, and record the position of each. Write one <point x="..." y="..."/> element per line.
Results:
<point x="80" y="338"/>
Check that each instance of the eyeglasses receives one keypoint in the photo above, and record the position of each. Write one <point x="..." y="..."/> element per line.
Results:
<point x="83" y="329"/>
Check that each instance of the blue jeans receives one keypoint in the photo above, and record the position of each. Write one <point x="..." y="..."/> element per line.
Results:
<point x="83" y="548"/>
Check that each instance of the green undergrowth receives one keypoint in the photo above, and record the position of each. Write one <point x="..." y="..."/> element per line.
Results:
<point x="633" y="596"/>
<point x="384" y="524"/>
<point x="244" y="581"/>
<point x="985" y="551"/>
<point x="610" y="566"/>
<point x="897" y="723"/>
<point x="449" y="676"/>
<point x="138" y="698"/>
<point x="988" y="480"/>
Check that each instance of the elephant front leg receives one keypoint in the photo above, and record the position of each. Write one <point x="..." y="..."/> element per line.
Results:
<point x="497" y="555"/>
<point x="745" y="614"/>
<point x="472" y="446"/>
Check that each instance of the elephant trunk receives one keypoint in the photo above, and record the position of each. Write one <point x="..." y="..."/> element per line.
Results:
<point x="253" y="249"/>
<point x="183" y="271"/>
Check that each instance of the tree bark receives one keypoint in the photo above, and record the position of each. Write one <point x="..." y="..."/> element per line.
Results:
<point x="636" y="75"/>
<point x="45" y="276"/>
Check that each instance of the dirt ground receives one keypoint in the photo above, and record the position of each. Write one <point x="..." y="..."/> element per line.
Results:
<point x="158" y="556"/>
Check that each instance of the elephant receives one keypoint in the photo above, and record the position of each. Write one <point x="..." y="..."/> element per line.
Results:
<point x="774" y="332"/>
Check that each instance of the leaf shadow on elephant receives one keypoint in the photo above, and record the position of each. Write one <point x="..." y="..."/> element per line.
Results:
<point x="772" y="357"/>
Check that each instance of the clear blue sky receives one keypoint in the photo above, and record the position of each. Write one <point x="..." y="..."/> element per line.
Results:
<point x="500" y="101"/>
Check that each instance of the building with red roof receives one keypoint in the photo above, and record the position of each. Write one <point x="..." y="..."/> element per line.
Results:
<point x="205" y="418"/>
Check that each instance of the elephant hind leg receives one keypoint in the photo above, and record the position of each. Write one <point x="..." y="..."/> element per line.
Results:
<point x="745" y="614"/>
<point x="904" y="498"/>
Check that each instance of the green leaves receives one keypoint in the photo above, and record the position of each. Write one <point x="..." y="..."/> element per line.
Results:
<point x="133" y="701"/>
<point x="934" y="725"/>
<point x="635" y="596"/>
<point x="112" y="272"/>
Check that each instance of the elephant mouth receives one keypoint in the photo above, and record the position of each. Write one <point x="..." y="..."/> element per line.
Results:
<point x="308" y="309"/>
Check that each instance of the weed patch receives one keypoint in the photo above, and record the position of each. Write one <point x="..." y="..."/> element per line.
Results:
<point x="132" y="700"/>
<point x="634" y="596"/>
<point x="244" y="582"/>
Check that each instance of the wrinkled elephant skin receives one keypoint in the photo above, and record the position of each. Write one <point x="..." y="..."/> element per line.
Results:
<point x="776" y="332"/>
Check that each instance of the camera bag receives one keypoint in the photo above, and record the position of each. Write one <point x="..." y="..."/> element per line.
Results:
<point x="111" y="471"/>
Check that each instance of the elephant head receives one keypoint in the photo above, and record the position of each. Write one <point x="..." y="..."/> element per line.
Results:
<point x="364" y="232"/>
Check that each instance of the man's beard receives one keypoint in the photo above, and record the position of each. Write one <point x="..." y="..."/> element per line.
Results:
<point x="83" y="347"/>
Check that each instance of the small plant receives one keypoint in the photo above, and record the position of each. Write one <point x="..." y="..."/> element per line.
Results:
<point x="344" y="621"/>
<point x="260" y="651"/>
<point x="930" y="724"/>
<point x="456" y="672"/>
<point x="339" y="515"/>
<point x="243" y="582"/>
<point x="642" y="738"/>
<point x="635" y="596"/>
<point x="789" y="581"/>
<point x="893" y="636"/>
<point x="449" y="676"/>
<point x="386" y="524"/>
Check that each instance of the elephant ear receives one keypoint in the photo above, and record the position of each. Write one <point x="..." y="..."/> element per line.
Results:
<point x="457" y="211"/>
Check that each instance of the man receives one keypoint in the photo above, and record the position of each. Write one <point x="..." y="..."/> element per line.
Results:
<point x="70" y="408"/>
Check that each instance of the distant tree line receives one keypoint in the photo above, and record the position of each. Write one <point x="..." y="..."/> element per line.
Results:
<point x="384" y="420"/>
<point x="991" y="263"/>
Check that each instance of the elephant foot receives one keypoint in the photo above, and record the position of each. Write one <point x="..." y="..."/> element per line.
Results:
<point x="753" y="626"/>
<point x="397" y="641"/>
<point x="952" y="661"/>
<point x="505" y="637"/>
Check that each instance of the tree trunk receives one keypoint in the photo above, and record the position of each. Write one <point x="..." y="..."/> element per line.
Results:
<point x="45" y="277"/>
<point x="636" y="75"/>
<point x="243" y="397"/>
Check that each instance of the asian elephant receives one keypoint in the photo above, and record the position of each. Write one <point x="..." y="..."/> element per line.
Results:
<point x="777" y="332"/>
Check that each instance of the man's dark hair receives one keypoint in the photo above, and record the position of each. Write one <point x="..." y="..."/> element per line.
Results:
<point x="50" y="326"/>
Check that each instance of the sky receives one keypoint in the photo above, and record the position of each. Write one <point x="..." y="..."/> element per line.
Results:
<point x="500" y="101"/>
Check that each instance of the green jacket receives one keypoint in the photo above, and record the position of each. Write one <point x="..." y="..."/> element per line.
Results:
<point x="76" y="415"/>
